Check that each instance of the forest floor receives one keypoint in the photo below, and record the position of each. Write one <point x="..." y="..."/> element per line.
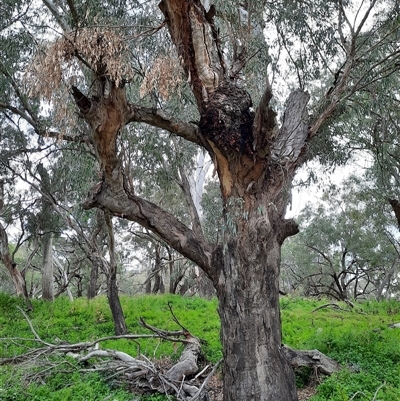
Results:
<point x="363" y="340"/>
<point x="215" y="385"/>
<point x="306" y="393"/>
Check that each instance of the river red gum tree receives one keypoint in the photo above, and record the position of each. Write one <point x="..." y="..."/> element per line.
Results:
<point x="255" y="160"/>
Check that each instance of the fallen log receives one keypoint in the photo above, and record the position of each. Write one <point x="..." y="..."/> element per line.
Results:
<point x="314" y="359"/>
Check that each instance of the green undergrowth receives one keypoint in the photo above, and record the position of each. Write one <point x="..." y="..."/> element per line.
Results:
<point x="360" y="339"/>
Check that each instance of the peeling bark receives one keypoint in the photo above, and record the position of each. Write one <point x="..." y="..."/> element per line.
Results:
<point x="194" y="38"/>
<point x="294" y="131"/>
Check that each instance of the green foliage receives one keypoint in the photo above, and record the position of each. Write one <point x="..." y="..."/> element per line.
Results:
<point x="360" y="339"/>
<point x="212" y="204"/>
<point x="61" y="385"/>
<point x="349" y="234"/>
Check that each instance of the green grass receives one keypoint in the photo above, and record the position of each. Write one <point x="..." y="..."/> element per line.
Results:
<point x="360" y="340"/>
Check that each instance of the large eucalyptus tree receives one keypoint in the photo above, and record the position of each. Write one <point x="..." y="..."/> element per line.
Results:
<point x="214" y="60"/>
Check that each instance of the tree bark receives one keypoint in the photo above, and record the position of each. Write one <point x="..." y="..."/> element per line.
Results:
<point x="112" y="287"/>
<point x="16" y="276"/>
<point x="47" y="268"/>
<point x="94" y="275"/>
<point x="94" y="271"/>
<point x="255" y="367"/>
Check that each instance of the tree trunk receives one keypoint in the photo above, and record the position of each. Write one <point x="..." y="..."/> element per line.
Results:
<point x="112" y="287"/>
<point x="115" y="306"/>
<point x="158" y="281"/>
<point x="386" y="281"/>
<point x="95" y="262"/>
<point x="47" y="268"/>
<point x="16" y="276"/>
<point x="94" y="275"/>
<point x="5" y="257"/>
<point x="147" y="288"/>
<point x="255" y="367"/>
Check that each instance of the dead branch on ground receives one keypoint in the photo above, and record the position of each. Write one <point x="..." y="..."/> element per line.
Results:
<point x="179" y="380"/>
<point x="183" y="379"/>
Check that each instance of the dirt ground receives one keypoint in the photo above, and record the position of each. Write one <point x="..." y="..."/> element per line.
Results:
<point x="305" y="393"/>
<point x="215" y="392"/>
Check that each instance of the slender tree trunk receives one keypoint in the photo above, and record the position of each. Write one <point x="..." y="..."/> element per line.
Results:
<point x="64" y="280"/>
<point x="115" y="305"/>
<point x="94" y="271"/>
<point x="47" y="268"/>
<point x="94" y="275"/>
<point x="112" y="287"/>
<point x="386" y="281"/>
<point x="158" y="284"/>
<point x="147" y="289"/>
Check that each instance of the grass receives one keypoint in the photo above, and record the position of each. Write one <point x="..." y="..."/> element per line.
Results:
<point x="360" y="340"/>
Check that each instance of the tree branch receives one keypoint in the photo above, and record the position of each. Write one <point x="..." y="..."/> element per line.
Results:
<point x="74" y="13"/>
<point x="160" y="119"/>
<point x="60" y="20"/>
<point x="294" y="131"/>
<point x="163" y="224"/>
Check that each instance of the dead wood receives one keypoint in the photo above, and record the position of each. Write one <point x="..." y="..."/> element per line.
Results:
<point x="321" y="363"/>
<point x="330" y="305"/>
<point x="182" y="379"/>
<point x="139" y="372"/>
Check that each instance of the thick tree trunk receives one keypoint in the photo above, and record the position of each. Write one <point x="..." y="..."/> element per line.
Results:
<point x="47" y="268"/>
<point x="255" y="367"/>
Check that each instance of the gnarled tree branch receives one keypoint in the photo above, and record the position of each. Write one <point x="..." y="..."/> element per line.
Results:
<point x="160" y="119"/>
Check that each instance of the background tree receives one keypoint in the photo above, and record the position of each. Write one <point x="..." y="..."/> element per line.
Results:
<point x="347" y="248"/>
